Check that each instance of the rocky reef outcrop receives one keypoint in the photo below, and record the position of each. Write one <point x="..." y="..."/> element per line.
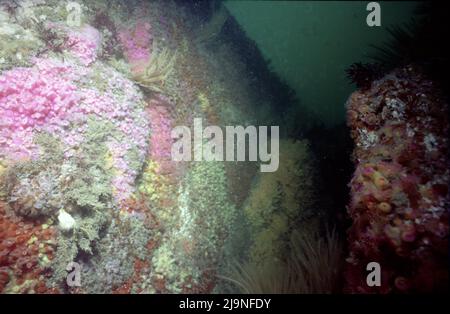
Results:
<point x="399" y="191"/>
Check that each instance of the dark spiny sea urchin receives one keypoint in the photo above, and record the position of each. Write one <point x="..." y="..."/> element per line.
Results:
<point x="363" y="74"/>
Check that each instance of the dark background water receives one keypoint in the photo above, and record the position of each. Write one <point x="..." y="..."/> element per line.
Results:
<point x="311" y="43"/>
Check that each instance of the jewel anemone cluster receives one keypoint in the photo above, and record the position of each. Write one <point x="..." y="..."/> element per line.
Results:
<point x="399" y="190"/>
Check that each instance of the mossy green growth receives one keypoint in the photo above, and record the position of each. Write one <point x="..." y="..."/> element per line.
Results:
<point x="69" y="12"/>
<point x="164" y="261"/>
<point x="151" y="183"/>
<point x="133" y="160"/>
<point x="201" y="223"/>
<point x="85" y="186"/>
<point x="209" y="206"/>
<point x="112" y="264"/>
<point x="91" y="188"/>
<point x="87" y="195"/>
<point x="82" y="239"/>
<point x="54" y="11"/>
<point x="50" y="147"/>
<point x="51" y="156"/>
<point x="32" y="187"/>
<point x="17" y="45"/>
<point x="98" y="79"/>
<point x="204" y="102"/>
<point x="121" y="66"/>
<point x="88" y="230"/>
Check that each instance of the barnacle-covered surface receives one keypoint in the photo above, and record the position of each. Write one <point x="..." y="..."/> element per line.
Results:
<point x="399" y="191"/>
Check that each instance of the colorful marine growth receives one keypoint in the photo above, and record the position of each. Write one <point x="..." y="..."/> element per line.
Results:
<point x="399" y="191"/>
<point x="89" y="95"/>
<point x="87" y="106"/>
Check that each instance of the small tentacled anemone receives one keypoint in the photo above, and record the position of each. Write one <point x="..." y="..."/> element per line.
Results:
<point x="363" y="74"/>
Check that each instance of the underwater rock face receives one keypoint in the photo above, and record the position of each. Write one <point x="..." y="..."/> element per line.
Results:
<point x="34" y="196"/>
<point x="86" y="175"/>
<point x="399" y="191"/>
<point x="56" y="97"/>
<point x="73" y="138"/>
